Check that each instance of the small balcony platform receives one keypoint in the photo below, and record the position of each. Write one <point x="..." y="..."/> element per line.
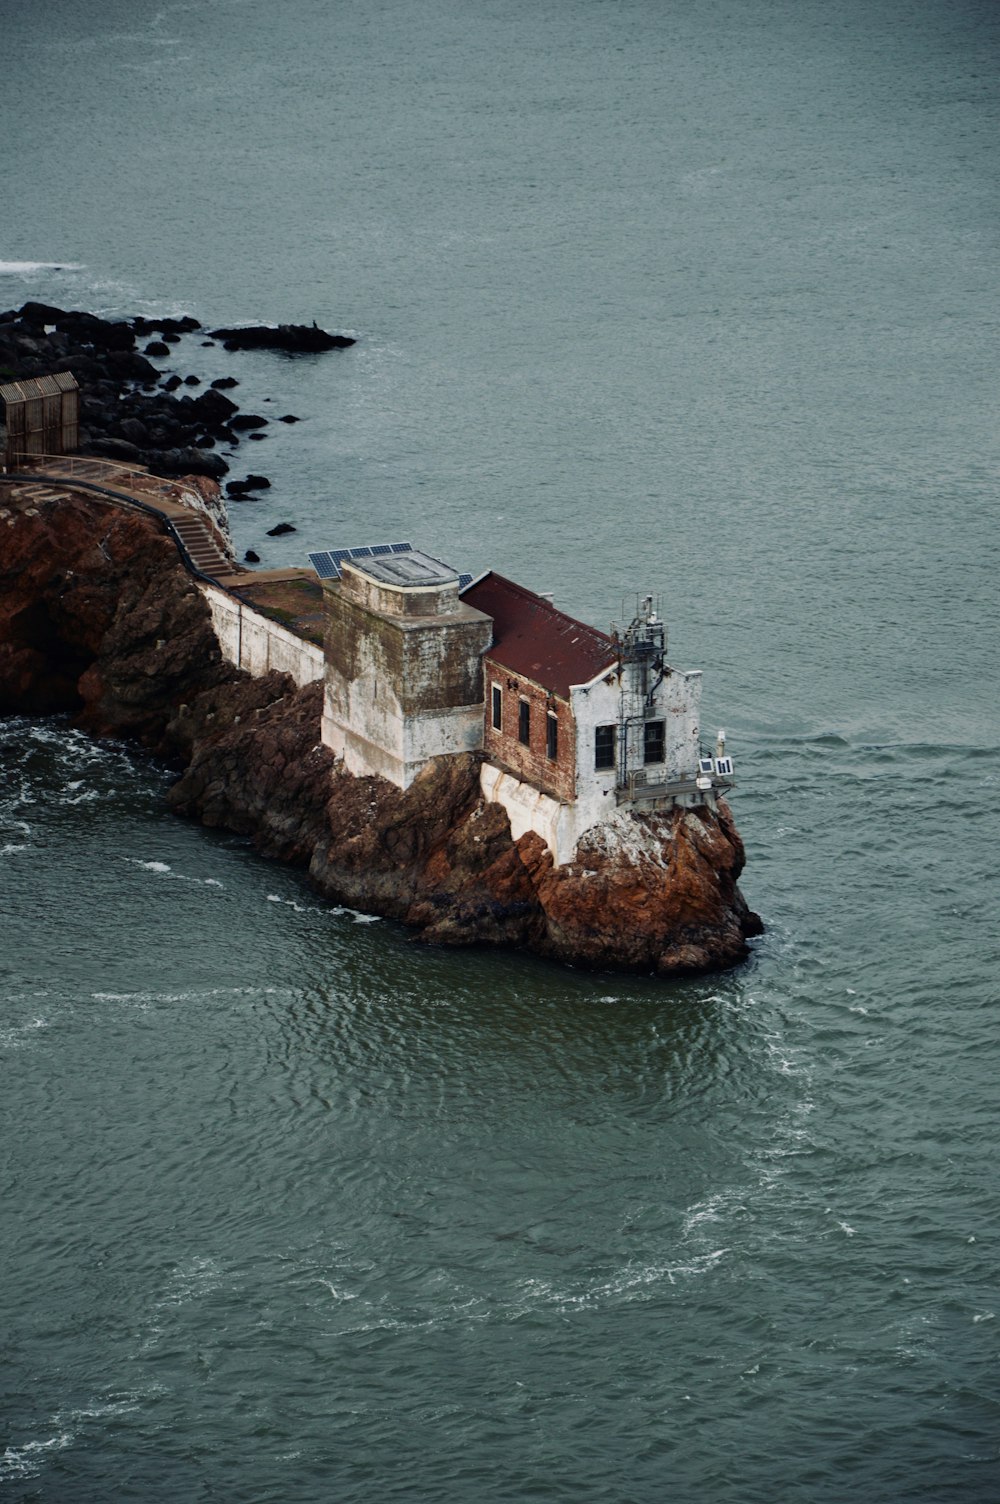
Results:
<point x="639" y="788"/>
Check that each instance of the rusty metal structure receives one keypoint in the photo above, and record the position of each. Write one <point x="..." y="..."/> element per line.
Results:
<point x="39" y="415"/>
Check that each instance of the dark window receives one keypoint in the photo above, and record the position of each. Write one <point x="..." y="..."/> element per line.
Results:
<point x="604" y="747"/>
<point x="497" y="708"/>
<point x="524" y="723"/>
<point x="552" y="736"/>
<point x="654" y="741"/>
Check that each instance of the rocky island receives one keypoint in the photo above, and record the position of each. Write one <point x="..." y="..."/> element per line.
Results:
<point x="107" y="615"/>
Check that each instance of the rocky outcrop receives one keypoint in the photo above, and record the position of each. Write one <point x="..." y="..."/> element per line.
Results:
<point x="129" y="409"/>
<point x="293" y="339"/>
<point x="99" y="618"/>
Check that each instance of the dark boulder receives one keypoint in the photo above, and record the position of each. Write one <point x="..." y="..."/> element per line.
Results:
<point x="115" y="449"/>
<point x="293" y="339"/>
<point x="103" y="334"/>
<point x="289" y="418"/>
<point x="212" y="409"/>
<point x="135" y="431"/>
<point x="158" y="348"/>
<point x="257" y="483"/>
<point x="174" y="462"/>
<point x="36" y="313"/>
<point x="248" y="420"/>
<point x="192" y="380"/>
<point x="223" y="383"/>
<point x="184" y="325"/>
<point x="129" y="365"/>
<point x="281" y="530"/>
<point x="172" y="383"/>
<point x="251" y="557"/>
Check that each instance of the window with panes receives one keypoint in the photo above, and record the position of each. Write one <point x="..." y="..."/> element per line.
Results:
<point x="552" y="736"/>
<point x="654" y="741"/>
<point x="604" y="747"/>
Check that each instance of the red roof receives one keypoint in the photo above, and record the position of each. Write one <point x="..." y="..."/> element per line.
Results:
<point x="533" y="639"/>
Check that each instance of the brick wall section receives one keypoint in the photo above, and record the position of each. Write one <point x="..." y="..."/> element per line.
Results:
<point x="530" y="763"/>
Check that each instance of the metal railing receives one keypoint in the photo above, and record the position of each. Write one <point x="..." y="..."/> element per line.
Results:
<point x="637" y="786"/>
<point x="81" y="482"/>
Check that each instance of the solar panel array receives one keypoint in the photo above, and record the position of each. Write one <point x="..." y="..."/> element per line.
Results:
<point x="327" y="565"/>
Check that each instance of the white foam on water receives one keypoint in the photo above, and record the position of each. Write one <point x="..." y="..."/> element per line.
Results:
<point x="712" y="1210"/>
<point x="87" y="797"/>
<point x="340" y="1295"/>
<point x="144" y="999"/>
<point x="30" y="268"/>
<point x="634" y="1282"/>
<point x="181" y="877"/>
<point x="26" y="1461"/>
<point x="11" y="849"/>
<point x="16" y="1035"/>
<point x="331" y="913"/>
<point x="98" y="1411"/>
<point x="191" y="1280"/>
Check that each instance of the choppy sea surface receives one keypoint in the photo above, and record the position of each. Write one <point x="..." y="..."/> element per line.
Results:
<point x="694" y="298"/>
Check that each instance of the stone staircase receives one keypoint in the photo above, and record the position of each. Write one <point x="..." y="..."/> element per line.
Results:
<point x="203" y="549"/>
<point x="200" y="544"/>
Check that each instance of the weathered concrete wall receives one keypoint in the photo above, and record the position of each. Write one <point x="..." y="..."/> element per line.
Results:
<point x="257" y="644"/>
<point x="399" y="600"/>
<point x="529" y="809"/>
<point x="677" y="702"/>
<point x="531" y="762"/>
<point x="593" y="705"/>
<point x="401" y="689"/>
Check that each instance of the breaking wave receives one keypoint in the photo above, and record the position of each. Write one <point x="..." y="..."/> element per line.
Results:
<point x="32" y="268"/>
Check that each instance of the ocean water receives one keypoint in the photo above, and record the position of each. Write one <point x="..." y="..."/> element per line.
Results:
<point x="697" y="297"/>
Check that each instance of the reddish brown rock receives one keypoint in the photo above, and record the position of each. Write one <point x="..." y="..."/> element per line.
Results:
<point x="99" y="617"/>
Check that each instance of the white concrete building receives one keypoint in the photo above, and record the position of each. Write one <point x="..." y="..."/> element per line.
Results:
<point x="404" y="675"/>
<point x="574" y="724"/>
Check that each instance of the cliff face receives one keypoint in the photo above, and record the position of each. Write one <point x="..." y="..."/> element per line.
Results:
<point x="97" y="616"/>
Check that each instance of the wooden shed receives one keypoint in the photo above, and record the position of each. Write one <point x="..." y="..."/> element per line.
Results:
<point x="39" y="415"/>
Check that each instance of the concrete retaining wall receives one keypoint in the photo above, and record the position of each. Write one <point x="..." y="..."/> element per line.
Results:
<point x="257" y="644"/>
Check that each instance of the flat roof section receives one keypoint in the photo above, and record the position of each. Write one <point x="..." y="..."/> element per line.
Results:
<point x="409" y="571"/>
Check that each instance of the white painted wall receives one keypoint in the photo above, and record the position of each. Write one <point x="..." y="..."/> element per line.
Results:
<point x="595" y="704"/>
<point x="677" y="702"/>
<point x="527" y="809"/>
<point x="256" y="643"/>
<point x="364" y="724"/>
